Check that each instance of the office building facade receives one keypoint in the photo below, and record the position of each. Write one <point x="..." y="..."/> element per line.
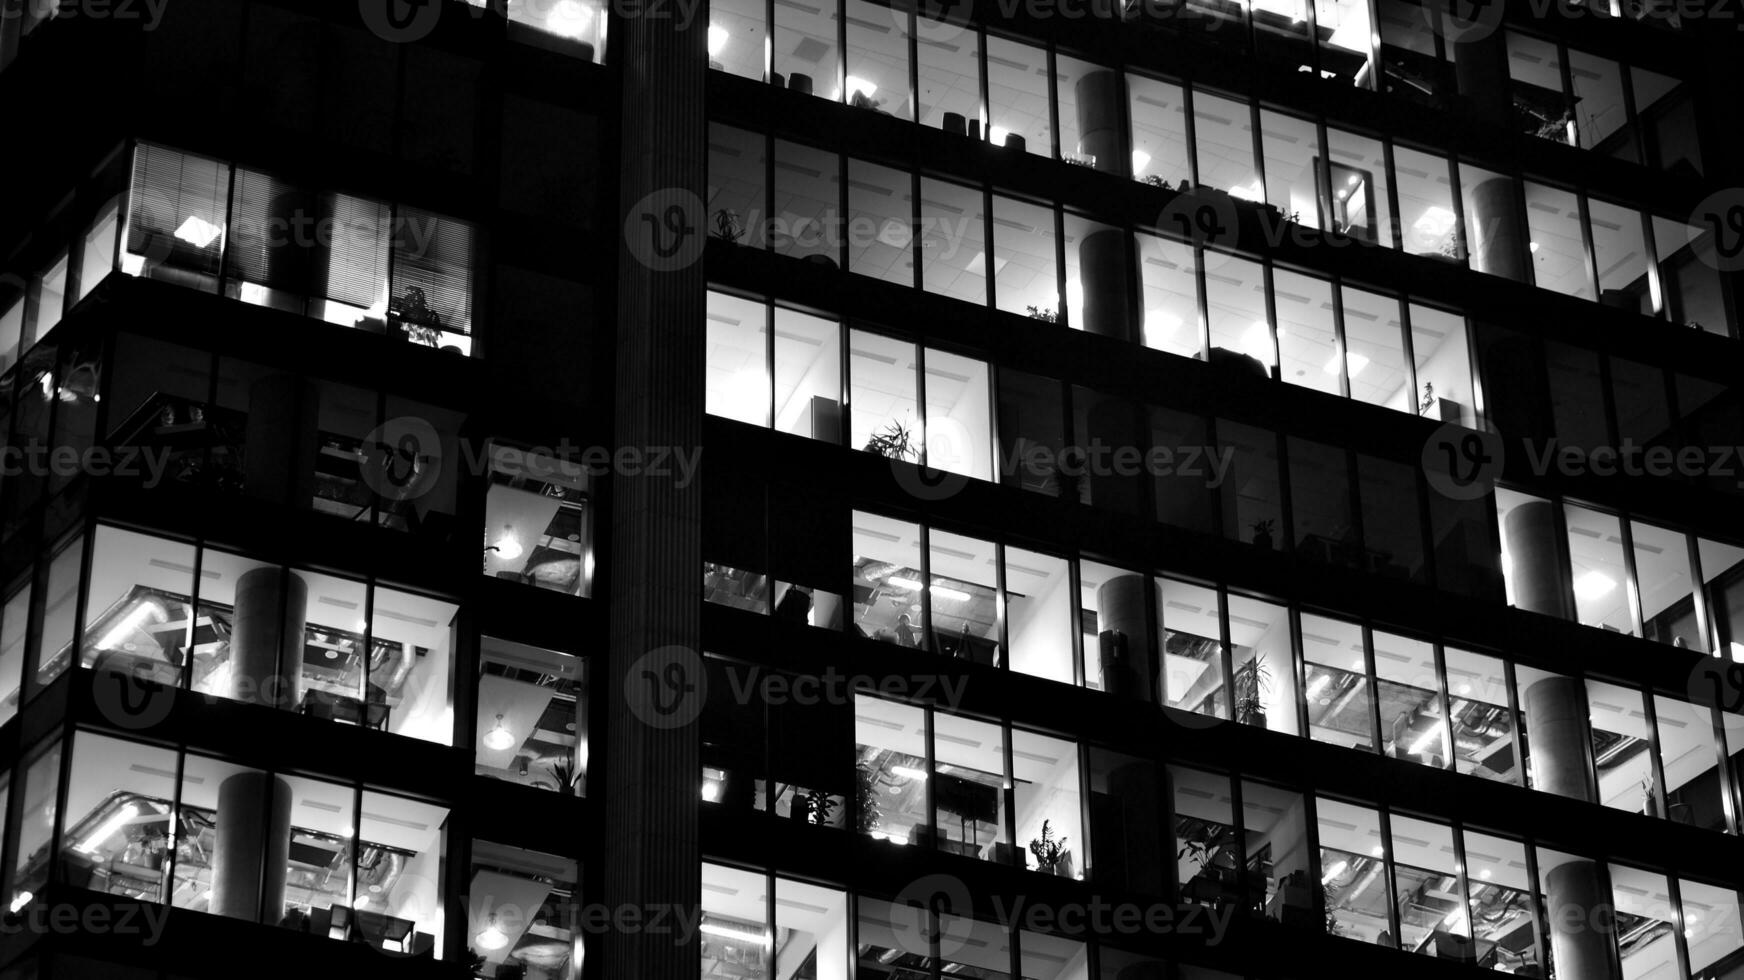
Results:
<point x="1184" y="490"/>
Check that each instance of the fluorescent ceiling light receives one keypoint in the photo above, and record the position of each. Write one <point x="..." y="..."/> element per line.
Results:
<point x="1159" y="324"/>
<point x="907" y="772"/>
<point x="508" y="549"/>
<point x="1252" y="192"/>
<point x="717" y="40"/>
<point x="1355" y="361"/>
<point x="1593" y="584"/>
<point x="1434" y="222"/>
<point x="997" y="135"/>
<point x="1351" y="36"/>
<point x="118" y="633"/>
<point x="711" y="790"/>
<point x="1256" y="341"/>
<point x="730" y="932"/>
<point x="198" y="232"/>
<point x="860" y="86"/>
<point x="1334" y="871"/>
<point x="895" y="233"/>
<point x="1140" y="160"/>
<point x="107" y="828"/>
<point x="1424" y="742"/>
<point x="569" y="19"/>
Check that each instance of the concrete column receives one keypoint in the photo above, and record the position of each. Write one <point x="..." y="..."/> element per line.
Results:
<point x="1112" y="423"/>
<point x="1102" y="265"/>
<point x="1128" y="816"/>
<point x="1579" y="909"/>
<point x="1480" y="67"/>
<point x="1513" y="372"/>
<point x="1556" y="708"/>
<point x="279" y="442"/>
<point x="266" y="642"/>
<point x="1581" y="920"/>
<point x="1529" y="533"/>
<point x="1497" y="233"/>
<point x="1098" y="96"/>
<point x="251" y="846"/>
<point x="1102" y="275"/>
<point x="649" y="821"/>
<point x="1123" y="629"/>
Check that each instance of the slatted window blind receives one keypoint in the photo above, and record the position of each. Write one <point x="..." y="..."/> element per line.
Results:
<point x="434" y="254"/>
<point x="273" y="232"/>
<point x="176" y="213"/>
<point x="356" y="265"/>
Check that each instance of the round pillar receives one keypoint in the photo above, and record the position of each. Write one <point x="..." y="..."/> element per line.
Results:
<point x="1498" y="241"/>
<point x="251" y="846"/>
<point x="266" y="642"/>
<point x="1102" y="275"/>
<point x="1098" y="96"/>
<point x="1582" y="921"/>
<point x="1480" y="68"/>
<point x="1535" y="569"/>
<point x="279" y="439"/>
<point x="1557" y="708"/>
<point x="1123" y="630"/>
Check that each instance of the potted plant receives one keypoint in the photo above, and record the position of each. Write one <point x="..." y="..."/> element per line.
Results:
<point x="1049" y="853"/>
<point x="1046" y="316"/>
<point x="866" y="818"/>
<point x="1253" y="682"/>
<point x="563" y="777"/>
<point x="894" y="441"/>
<point x="727" y="225"/>
<point x="813" y="806"/>
<point x="1201" y="842"/>
<point x="1262" y="533"/>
